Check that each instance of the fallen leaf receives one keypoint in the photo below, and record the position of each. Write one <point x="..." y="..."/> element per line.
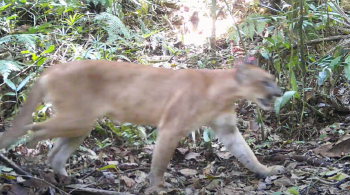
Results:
<point x="128" y="182"/>
<point x="191" y="155"/>
<point x="140" y="176"/>
<point x="283" y="181"/>
<point x="188" y="172"/>
<point x="182" y="151"/>
<point x="224" y="155"/>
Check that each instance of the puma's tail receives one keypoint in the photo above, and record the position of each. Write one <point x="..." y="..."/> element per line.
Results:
<point x="24" y="116"/>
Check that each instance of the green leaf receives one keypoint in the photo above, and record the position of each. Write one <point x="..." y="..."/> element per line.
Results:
<point x="322" y="77"/>
<point x="347" y="67"/>
<point x="293" y="190"/>
<point x="142" y="131"/>
<point x="265" y="53"/>
<point x="40" y="61"/>
<point x="251" y="30"/>
<point x="2" y="8"/>
<point x="49" y="50"/>
<point x="282" y="101"/>
<point x="293" y="81"/>
<point x="270" y="40"/>
<point x="25" y="51"/>
<point x="334" y="62"/>
<point x="21" y="85"/>
<point x="108" y="167"/>
<point x="10" y="84"/>
<point x="34" y="57"/>
<point x="260" y="27"/>
<point x="10" y="94"/>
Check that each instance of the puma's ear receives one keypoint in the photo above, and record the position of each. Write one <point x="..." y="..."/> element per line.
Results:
<point x="242" y="68"/>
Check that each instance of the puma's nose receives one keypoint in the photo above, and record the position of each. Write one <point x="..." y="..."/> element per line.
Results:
<point x="278" y="93"/>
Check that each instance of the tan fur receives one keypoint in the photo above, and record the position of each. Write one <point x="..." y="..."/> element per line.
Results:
<point x="177" y="101"/>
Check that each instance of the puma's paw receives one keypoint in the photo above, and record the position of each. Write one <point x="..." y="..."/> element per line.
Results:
<point x="156" y="190"/>
<point x="163" y="188"/>
<point x="274" y="170"/>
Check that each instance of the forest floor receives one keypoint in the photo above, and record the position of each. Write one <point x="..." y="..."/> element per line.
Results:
<point x="315" y="165"/>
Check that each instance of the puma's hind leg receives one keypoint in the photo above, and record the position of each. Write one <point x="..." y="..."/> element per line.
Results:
<point x="63" y="149"/>
<point x="60" y="126"/>
<point x="226" y="130"/>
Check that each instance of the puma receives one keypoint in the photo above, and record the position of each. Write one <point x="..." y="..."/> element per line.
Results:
<point x="176" y="101"/>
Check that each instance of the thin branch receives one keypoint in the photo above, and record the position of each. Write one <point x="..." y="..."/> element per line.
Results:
<point x="13" y="165"/>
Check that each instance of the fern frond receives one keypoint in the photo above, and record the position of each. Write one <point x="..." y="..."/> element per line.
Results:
<point x="28" y="40"/>
<point x="114" y="26"/>
<point x="6" y="67"/>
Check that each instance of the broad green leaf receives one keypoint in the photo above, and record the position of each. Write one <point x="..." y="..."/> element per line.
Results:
<point x="347" y="71"/>
<point x="260" y="27"/>
<point x="286" y="44"/>
<point x="293" y="190"/>
<point x="270" y="40"/>
<point x="21" y="85"/>
<point x="34" y="57"/>
<point x="265" y="53"/>
<point x="40" y="61"/>
<point x="282" y="101"/>
<point x="293" y="81"/>
<point x="11" y="17"/>
<point x="347" y="67"/>
<point x="334" y="62"/>
<point x="2" y="8"/>
<point x="49" y="50"/>
<point x="208" y="134"/>
<point x="251" y="30"/>
<point x="10" y="84"/>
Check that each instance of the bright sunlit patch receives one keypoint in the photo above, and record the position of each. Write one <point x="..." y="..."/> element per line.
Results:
<point x="201" y="35"/>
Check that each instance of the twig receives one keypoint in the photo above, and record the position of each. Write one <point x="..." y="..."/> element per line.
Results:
<point x="13" y="165"/>
<point x="314" y="109"/>
<point x="135" y="169"/>
<point x="94" y="190"/>
<point x="331" y="38"/>
<point x="321" y="180"/>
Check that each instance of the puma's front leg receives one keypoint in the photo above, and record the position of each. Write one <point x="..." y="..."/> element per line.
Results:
<point x="166" y="143"/>
<point x="63" y="149"/>
<point x="226" y="130"/>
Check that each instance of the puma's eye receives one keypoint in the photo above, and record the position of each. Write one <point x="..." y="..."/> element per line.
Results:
<point x="266" y="84"/>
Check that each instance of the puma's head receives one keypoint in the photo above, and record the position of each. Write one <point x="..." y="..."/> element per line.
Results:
<point x="259" y="85"/>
